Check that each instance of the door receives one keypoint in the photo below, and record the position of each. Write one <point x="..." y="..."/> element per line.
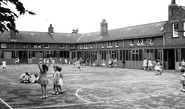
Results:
<point x="169" y="59"/>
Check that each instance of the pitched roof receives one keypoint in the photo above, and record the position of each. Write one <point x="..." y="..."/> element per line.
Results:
<point x="40" y="37"/>
<point x="138" y="31"/>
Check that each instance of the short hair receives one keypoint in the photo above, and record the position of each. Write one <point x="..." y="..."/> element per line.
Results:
<point x="182" y="70"/>
<point x="44" y="67"/>
<point x="59" y="69"/>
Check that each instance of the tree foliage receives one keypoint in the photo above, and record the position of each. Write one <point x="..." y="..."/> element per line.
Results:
<point x="8" y="17"/>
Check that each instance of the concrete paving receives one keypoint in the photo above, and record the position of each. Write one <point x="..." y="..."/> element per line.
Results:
<point x="94" y="88"/>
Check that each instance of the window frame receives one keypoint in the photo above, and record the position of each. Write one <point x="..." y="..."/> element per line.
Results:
<point x="3" y="45"/>
<point x="175" y="28"/>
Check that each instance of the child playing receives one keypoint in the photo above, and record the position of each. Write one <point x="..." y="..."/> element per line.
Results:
<point x="61" y="82"/>
<point x="55" y="80"/>
<point x="183" y="80"/>
<point x="103" y="63"/>
<point x="150" y="65"/>
<point x="4" y="65"/>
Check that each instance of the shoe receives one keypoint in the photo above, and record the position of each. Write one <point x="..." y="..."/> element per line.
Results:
<point x="54" y="93"/>
<point x="61" y="92"/>
<point x="42" y="97"/>
<point x="183" y="90"/>
<point x="57" y="93"/>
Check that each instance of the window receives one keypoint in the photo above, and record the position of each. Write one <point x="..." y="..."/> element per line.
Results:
<point x="132" y="43"/>
<point x="3" y="45"/>
<point x="34" y="45"/>
<point x="49" y="54"/>
<point x="175" y="29"/>
<point x="38" y="45"/>
<point x="46" y="45"/>
<point x="62" y="46"/>
<point x="151" y="41"/>
<point x="90" y="45"/>
<point x="102" y="45"/>
<point x="116" y="44"/>
<point x="109" y="44"/>
<point x="141" y="42"/>
<point x="25" y="46"/>
<point x="86" y="46"/>
<point x="72" y="46"/>
<point x="80" y="46"/>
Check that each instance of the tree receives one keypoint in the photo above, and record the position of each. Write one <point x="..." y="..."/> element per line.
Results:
<point x="7" y="16"/>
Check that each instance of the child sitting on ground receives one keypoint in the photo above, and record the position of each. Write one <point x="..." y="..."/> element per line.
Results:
<point x="61" y="82"/>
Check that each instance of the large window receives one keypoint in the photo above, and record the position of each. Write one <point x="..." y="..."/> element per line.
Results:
<point x="175" y="29"/>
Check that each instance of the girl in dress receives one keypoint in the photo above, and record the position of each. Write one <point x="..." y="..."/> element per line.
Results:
<point x="158" y="67"/>
<point x="4" y="65"/>
<point x="61" y="82"/>
<point x="145" y="64"/>
<point x="43" y="80"/>
<point x="55" y="80"/>
<point x="150" y="65"/>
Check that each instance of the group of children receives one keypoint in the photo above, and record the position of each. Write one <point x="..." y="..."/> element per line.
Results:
<point x="57" y="80"/>
<point x="149" y="65"/>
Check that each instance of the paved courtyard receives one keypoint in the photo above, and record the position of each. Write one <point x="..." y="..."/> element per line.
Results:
<point x="94" y="88"/>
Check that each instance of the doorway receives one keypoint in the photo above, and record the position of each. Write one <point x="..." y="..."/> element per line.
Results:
<point x="169" y="59"/>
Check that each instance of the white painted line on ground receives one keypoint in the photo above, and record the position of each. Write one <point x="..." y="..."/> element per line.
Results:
<point x="6" y="104"/>
<point x="50" y="106"/>
<point x="81" y="97"/>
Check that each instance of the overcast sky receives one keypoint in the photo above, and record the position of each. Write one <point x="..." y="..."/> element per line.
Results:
<point x="86" y="15"/>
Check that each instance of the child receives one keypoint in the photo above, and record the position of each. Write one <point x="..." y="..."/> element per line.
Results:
<point x="103" y="63"/>
<point x="43" y="80"/>
<point x="145" y="64"/>
<point x="158" y="67"/>
<point x="55" y="80"/>
<point x="61" y="82"/>
<point x="4" y="65"/>
<point x="123" y="62"/>
<point x="78" y="65"/>
<point x="150" y="65"/>
<point x="183" y="80"/>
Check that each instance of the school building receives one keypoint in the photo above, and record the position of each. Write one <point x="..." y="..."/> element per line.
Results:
<point x="164" y="40"/>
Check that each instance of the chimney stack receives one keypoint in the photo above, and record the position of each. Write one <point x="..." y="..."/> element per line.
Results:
<point x="104" y="28"/>
<point x="172" y="8"/>
<point x="50" y="29"/>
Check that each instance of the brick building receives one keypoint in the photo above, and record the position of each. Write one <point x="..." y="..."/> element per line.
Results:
<point x="164" y="40"/>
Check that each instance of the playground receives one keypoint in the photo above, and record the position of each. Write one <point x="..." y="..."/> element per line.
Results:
<point x="93" y="88"/>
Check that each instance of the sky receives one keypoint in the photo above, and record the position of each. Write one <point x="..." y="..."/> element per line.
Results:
<point x="86" y="15"/>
